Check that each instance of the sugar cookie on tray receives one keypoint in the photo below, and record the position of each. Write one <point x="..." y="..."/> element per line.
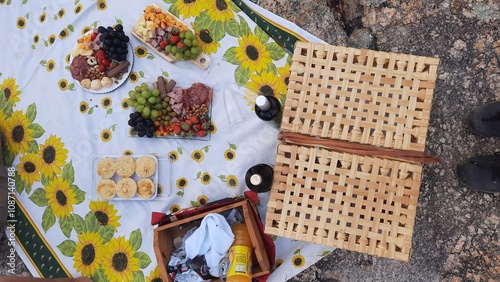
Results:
<point x="145" y="166"/>
<point x="125" y="166"/>
<point x="145" y="188"/>
<point x="106" y="167"/>
<point x="106" y="189"/>
<point x="126" y="188"/>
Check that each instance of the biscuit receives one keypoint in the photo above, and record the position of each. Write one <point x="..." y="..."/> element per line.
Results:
<point x="126" y="188"/>
<point x="106" y="167"/>
<point x="106" y="189"/>
<point x="145" y="188"/>
<point x="145" y="166"/>
<point x="125" y="166"/>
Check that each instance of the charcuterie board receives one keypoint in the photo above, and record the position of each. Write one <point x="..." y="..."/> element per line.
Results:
<point x="163" y="32"/>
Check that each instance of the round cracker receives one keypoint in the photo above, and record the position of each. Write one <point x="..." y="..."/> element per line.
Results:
<point x="106" y="167"/>
<point x="145" y="166"/>
<point x="126" y="188"/>
<point x="145" y="188"/>
<point x="106" y="189"/>
<point x="125" y="166"/>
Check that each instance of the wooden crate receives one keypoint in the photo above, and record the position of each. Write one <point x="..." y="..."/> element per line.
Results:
<point x="349" y="198"/>
<point x="164" y="237"/>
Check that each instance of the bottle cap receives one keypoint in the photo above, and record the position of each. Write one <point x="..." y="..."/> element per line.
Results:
<point x="256" y="179"/>
<point x="262" y="102"/>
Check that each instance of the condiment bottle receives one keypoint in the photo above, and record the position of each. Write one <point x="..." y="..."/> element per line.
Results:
<point x="240" y="255"/>
<point x="268" y="108"/>
<point x="259" y="178"/>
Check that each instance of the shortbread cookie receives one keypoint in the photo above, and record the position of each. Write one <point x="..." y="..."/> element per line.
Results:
<point x="145" y="166"/>
<point x="126" y="188"/>
<point x="106" y="167"/>
<point x="145" y="188"/>
<point x="106" y="189"/>
<point x="125" y="166"/>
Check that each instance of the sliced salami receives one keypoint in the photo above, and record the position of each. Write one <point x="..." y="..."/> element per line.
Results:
<point x="79" y="67"/>
<point x="197" y="94"/>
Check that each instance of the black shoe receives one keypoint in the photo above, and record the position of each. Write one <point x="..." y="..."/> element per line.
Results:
<point x="485" y="120"/>
<point x="481" y="173"/>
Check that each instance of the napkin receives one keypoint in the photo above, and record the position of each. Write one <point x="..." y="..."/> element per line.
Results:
<point x="212" y="239"/>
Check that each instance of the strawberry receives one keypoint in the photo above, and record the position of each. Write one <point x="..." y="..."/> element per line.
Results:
<point x="105" y="62"/>
<point x="201" y="133"/>
<point x="177" y="129"/>
<point x="180" y="45"/>
<point x="163" y="44"/>
<point x="175" y="31"/>
<point x="100" y="54"/>
<point x="174" y="39"/>
<point x="205" y="126"/>
<point x="193" y="119"/>
<point x="102" y="68"/>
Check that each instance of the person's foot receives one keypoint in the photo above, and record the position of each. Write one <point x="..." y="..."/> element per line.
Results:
<point x="485" y="120"/>
<point x="481" y="173"/>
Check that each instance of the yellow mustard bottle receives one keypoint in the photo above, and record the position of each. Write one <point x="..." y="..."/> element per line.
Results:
<point x="240" y="255"/>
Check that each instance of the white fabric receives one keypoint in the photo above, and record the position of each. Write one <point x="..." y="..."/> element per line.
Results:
<point x="212" y="239"/>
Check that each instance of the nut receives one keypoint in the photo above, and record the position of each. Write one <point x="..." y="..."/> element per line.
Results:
<point x="91" y="61"/>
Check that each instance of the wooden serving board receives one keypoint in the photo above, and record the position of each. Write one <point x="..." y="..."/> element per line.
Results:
<point x="202" y="61"/>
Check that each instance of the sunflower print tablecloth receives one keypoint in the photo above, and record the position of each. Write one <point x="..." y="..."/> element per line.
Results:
<point x="54" y="127"/>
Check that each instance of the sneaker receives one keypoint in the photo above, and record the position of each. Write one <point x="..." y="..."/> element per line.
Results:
<point x="485" y="120"/>
<point x="481" y="173"/>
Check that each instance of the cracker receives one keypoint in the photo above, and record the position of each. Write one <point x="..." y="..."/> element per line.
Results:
<point x="126" y="188"/>
<point x="106" y="189"/>
<point x="145" y="166"/>
<point x="106" y="167"/>
<point x="145" y="188"/>
<point x="125" y="166"/>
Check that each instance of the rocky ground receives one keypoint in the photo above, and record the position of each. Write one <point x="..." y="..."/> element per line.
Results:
<point x="456" y="235"/>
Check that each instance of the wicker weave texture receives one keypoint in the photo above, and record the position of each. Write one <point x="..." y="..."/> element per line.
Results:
<point x="358" y="95"/>
<point x="352" y="202"/>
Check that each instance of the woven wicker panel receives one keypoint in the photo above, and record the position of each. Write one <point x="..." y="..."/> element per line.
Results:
<point x="352" y="202"/>
<point x="358" y="95"/>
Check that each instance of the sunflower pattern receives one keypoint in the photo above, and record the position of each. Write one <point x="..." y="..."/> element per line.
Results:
<point x="103" y="257"/>
<point x="105" y="213"/>
<point x="154" y="276"/>
<point x="59" y="197"/>
<point x="19" y="133"/>
<point x="29" y="169"/>
<point x="10" y="90"/>
<point x="53" y="155"/>
<point x="97" y="239"/>
<point x="230" y="154"/>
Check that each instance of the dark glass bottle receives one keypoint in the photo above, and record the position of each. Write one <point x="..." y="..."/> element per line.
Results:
<point x="259" y="178"/>
<point x="268" y="108"/>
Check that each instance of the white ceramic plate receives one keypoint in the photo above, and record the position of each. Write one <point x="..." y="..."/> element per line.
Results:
<point x="116" y="83"/>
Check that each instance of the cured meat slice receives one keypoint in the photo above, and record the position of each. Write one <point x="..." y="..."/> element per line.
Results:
<point x="197" y="94"/>
<point x="79" y="67"/>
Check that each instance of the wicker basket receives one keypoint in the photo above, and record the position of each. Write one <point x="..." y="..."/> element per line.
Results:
<point x="352" y="201"/>
<point x="358" y="95"/>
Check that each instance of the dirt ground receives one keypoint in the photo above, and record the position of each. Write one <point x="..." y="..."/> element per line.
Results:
<point x="456" y="235"/>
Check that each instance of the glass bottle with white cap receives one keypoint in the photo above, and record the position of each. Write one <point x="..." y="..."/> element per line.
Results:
<point x="259" y="178"/>
<point x="268" y="108"/>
